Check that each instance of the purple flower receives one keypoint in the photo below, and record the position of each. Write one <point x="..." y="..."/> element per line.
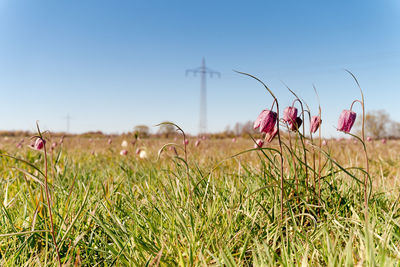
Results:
<point x="296" y="124"/>
<point x="315" y="123"/>
<point x="123" y="152"/>
<point x="266" y="121"/>
<point x="39" y="144"/>
<point x="270" y="136"/>
<point x="259" y="143"/>
<point x="197" y="143"/>
<point x="290" y="114"/>
<point x="346" y="120"/>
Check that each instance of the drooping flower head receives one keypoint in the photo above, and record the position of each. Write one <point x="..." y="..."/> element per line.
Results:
<point x="265" y="121"/>
<point x="186" y="141"/>
<point x="197" y="143"/>
<point x="346" y="120"/>
<point x="259" y="143"/>
<point x="369" y="138"/>
<point x="296" y="124"/>
<point x="315" y="123"/>
<point x="123" y="152"/>
<point x="290" y="114"/>
<point x="270" y="136"/>
<point x="39" y="144"/>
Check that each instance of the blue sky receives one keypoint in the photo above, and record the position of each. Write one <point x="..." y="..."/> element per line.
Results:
<point x="115" y="64"/>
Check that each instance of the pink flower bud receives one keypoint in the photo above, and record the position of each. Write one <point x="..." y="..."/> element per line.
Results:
<point x="138" y="151"/>
<point x="39" y="144"/>
<point x="383" y="141"/>
<point x="266" y="121"/>
<point x="186" y="142"/>
<point x="296" y="125"/>
<point x="315" y="123"/>
<point x="53" y="145"/>
<point x="109" y="141"/>
<point x="290" y="114"/>
<point x="123" y="152"/>
<point x="324" y="143"/>
<point x="234" y="140"/>
<point x="270" y="136"/>
<point x="259" y="143"/>
<point x="369" y="138"/>
<point x="197" y="143"/>
<point x="346" y="120"/>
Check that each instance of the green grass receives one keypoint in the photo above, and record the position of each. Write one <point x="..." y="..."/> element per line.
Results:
<point x="110" y="210"/>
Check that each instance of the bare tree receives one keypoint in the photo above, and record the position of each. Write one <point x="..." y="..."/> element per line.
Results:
<point x="377" y="124"/>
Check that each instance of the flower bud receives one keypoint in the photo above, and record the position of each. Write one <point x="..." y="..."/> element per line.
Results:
<point x="346" y="120"/>
<point x="123" y="152"/>
<point x="315" y="123"/>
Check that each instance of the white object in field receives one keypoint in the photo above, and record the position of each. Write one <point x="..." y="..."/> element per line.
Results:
<point x="143" y="154"/>
<point x="124" y="143"/>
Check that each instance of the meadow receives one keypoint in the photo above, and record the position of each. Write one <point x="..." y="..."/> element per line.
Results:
<point x="218" y="205"/>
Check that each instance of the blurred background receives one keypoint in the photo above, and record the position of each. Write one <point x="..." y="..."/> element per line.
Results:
<point x="111" y="66"/>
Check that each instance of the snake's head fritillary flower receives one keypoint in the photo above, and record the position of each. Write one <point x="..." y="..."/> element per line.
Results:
<point x="270" y="136"/>
<point x="234" y="140"/>
<point x="315" y="123"/>
<point x="384" y="141"/>
<point x="123" y="152"/>
<point x="124" y="143"/>
<point x="290" y="114"/>
<point x="186" y="142"/>
<point x="39" y="144"/>
<point x="109" y="141"/>
<point x="324" y="143"/>
<point x="259" y="143"/>
<point x="266" y="121"/>
<point x="369" y="138"/>
<point x="346" y="120"/>
<point x="294" y="126"/>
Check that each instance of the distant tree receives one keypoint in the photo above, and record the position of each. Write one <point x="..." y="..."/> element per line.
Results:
<point x="394" y="130"/>
<point x="141" y="131"/>
<point x="377" y="124"/>
<point x="167" y="130"/>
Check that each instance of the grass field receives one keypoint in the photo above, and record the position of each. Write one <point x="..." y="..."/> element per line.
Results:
<point x="218" y="209"/>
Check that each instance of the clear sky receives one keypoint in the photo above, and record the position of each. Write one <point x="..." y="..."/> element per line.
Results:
<point x="115" y="64"/>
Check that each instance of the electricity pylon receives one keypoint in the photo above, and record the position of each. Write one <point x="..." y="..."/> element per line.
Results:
<point x="203" y="70"/>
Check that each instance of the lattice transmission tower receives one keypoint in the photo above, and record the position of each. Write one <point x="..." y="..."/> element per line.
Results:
<point x="203" y="71"/>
